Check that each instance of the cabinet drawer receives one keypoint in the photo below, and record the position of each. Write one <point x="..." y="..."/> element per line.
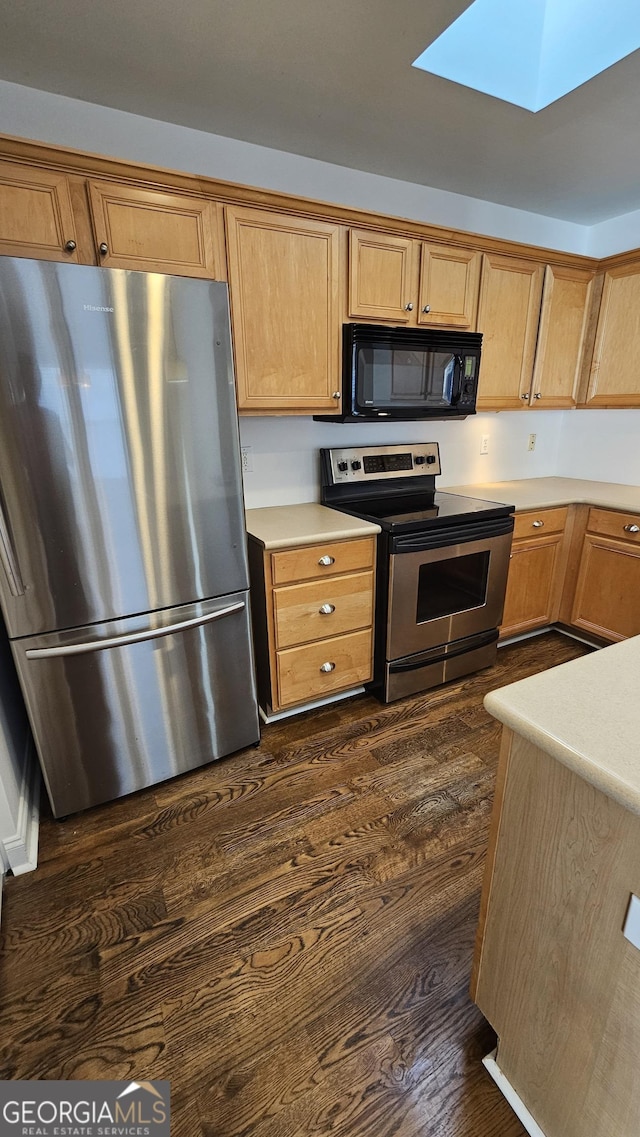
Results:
<point x="306" y="563"/>
<point x="300" y="675"/>
<point x="526" y="524"/>
<point x="298" y="608"/>
<point x="611" y="524"/>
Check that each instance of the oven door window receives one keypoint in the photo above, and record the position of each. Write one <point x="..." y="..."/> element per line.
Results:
<point x="397" y="378"/>
<point x="454" y="585"/>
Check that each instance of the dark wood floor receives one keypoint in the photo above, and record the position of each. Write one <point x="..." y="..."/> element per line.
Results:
<point x="286" y="935"/>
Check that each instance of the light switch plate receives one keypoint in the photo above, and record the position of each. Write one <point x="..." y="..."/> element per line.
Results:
<point x="632" y="923"/>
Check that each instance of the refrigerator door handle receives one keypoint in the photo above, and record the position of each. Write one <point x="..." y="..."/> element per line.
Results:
<point x="9" y="559"/>
<point x="132" y="637"/>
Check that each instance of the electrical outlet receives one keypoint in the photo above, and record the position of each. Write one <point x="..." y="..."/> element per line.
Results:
<point x="484" y="444"/>
<point x="247" y="459"/>
<point x="532" y="442"/>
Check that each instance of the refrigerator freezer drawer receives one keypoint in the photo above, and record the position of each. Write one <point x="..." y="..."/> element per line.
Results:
<point x="122" y="705"/>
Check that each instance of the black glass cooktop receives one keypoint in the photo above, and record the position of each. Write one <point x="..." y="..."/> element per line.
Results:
<point x="397" y="513"/>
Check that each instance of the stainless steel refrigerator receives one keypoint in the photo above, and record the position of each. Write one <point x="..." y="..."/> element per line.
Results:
<point x="123" y="581"/>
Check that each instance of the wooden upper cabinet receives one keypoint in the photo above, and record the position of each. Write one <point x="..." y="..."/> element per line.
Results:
<point x="449" y="281"/>
<point x="156" y="231"/>
<point x="383" y="277"/>
<point x="404" y="281"/>
<point x="285" y="286"/>
<point x="615" y="376"/>
<point x="36" y="215"/>
<point x="566" y="299"/>
<point x="508" y="315"/>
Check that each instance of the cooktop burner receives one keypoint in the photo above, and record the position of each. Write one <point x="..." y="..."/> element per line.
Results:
<point x="391" y="486"/>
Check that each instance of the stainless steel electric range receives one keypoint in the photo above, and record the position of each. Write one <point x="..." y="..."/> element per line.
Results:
<point x="442" y="564"/>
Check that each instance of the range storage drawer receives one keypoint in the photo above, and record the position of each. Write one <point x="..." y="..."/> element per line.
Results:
<point x="311" y="611"/>
<point x="317" y="561"/>
<point x="624" y="526"/>
<point x="539" y="522"/>
<point x="302" y="674"/>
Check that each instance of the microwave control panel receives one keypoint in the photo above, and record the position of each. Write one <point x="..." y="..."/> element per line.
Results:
<point x="370" y="463"/>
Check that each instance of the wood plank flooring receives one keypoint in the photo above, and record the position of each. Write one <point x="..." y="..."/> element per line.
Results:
<point x="286" y="934"/>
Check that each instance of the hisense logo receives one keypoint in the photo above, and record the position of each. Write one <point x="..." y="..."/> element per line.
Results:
<point x="96" y="308"/>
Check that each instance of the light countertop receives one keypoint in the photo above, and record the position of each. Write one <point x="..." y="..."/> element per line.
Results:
<point x="586" y="714"/>
<point x="540" y="493"/>
<point x="279" y="526"/>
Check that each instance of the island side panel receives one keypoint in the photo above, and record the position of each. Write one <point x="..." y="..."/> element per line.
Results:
<point x="554" y="964"/>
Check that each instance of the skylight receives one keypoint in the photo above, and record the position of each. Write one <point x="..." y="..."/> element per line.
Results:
<point x="532" y="52"/>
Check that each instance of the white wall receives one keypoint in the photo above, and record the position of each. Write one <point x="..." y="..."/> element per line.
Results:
<point x="286" y="467"/>
<point x="604" y="445"/>
<point x="62" y="121"/>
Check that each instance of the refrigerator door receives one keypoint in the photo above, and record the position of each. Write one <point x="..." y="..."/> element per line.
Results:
<point x="120" y="484"/>
<point x="122" y="705"/>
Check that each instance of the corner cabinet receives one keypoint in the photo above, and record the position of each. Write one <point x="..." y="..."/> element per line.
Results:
<point x="615" y="377"/>
<point x="157" y="231"/>
<point x="36" y="214"/>
<point x="285" y="284"/>
<point x="508" y="313"/>
<point x="404" y="281"/>
<point x="607" y="596"/>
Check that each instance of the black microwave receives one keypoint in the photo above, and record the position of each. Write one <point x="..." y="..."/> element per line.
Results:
<point x="404" y="374"/>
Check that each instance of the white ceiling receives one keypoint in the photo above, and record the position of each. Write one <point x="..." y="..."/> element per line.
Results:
<point x="332" y="79"/>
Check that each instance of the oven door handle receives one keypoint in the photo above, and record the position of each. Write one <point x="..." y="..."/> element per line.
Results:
<point x="452" y="535"/>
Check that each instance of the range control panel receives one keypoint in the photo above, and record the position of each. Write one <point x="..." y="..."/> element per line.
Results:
<point x="368" y="463"/>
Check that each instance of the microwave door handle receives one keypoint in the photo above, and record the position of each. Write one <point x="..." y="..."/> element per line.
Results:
<point x="458" y="372"/>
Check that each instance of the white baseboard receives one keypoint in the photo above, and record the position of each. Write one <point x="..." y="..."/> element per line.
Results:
<point x="516" y="1102"/>
<point x="21" y="848"/>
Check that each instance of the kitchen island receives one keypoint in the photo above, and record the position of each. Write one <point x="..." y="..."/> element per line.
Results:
<point x="554" y="973"/>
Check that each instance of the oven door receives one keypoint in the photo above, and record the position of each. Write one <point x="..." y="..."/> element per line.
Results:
<point x="446" y="587"/>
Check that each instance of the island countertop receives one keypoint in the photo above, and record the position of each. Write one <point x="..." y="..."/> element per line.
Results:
<point x="545" y="493"/>
<point x="586" y="714"/>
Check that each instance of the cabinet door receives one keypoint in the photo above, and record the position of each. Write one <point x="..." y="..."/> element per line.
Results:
<point x="606" y="600"/>
<point x="382" y="277"/>
<point x="533" y="585"/>
<point x="155" y="231"/>
<point x="615" y="376"/>
<point x="508" y="314"/>
<point x="284" y="280"/>
<point x="449" y="281"/>
<point x="36" y="217"/>
<point x="565" y="307"/>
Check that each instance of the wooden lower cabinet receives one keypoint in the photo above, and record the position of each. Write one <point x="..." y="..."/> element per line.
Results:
<point x="312" y="608"/>
<point x="536" y="571"/>
<point x="607" y="596"/>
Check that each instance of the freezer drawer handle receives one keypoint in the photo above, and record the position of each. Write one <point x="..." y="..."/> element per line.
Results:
<point x="132" y="638"/>
<point x="8" y="558"/>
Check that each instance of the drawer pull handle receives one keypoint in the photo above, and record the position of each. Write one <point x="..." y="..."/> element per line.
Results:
<point x="326" y="561"/>
<point x="631" y="528"/>
<point x="328" y="667"/>
<point x="327" y="609"/>
<point x="537" y="524"/>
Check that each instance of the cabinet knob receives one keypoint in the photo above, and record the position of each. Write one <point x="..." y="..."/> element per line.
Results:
<point x="538" y="395"/>
<point x="326" y="560"/>
<point x="537" y="524"/>
<point x="631" y="528"/>
<point x="336" y="395"/>
<point x="426" y="309"/>
<point x="408" y="307"/>
<point x="70" y="246"/>
<point x="103" y="248"/>
<point x="525" y="396"/>
<point x="328" y="667"/>
<point x="327" y="609"/>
